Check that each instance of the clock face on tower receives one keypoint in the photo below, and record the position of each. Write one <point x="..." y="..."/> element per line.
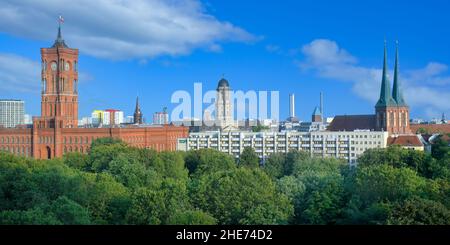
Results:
<point x="53" y="66"/>
<point x="67" y="66"/>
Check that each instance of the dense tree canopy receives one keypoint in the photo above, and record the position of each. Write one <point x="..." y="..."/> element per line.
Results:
<point x="118" y="184"/>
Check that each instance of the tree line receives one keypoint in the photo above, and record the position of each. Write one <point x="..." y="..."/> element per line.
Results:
<point x="117" y="184"/>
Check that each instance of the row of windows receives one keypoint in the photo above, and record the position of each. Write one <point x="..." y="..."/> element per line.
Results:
<point x="66" y="140"/>
<point x="23" y="151"/>
<point x="15" y="140"/>
<point x="75" y="149"/>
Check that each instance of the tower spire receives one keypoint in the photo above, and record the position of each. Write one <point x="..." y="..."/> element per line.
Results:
<point x="385" y="93"/>
<point x="137" y="104"/>
<point x="137" y="112"/>
<point x="59" y="42"/>
<point x="396" y="92"/>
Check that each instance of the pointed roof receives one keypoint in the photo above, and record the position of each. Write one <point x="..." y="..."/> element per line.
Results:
<point x="396" y="92"/>
<point x="59" y="42"/>
<point x="138" y="107"/>
<point x="317" y="112"/>
<point x="385" y="93"/>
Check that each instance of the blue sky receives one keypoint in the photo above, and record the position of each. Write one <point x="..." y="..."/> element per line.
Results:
<point x="153" y="48"/>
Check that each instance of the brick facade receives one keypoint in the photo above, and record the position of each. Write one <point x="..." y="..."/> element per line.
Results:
<point x="56" y="131"/>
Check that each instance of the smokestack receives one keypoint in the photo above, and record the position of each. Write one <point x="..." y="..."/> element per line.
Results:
<point x="292" y="105"/>
<point x="321" y="105"/>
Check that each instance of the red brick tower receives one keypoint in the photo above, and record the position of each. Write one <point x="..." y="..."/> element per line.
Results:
<point x="59" y="85"/>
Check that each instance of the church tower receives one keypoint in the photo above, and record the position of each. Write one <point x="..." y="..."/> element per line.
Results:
<point x="401" y="116"/>
<point x="138" y="116"/>
<point x="59" y="102"/>
<point x="392" y="112"/>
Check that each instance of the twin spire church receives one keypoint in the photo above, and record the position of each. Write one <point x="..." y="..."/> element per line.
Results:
<point x="391" y="110"/>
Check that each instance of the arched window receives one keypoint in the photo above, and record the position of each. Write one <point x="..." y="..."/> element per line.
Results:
<point x="404" y="119"/>
<point x="75" y="86"/>
<point x="391" y="119"/>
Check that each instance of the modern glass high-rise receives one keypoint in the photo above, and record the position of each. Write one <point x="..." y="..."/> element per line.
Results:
<point x="11" y="112"/>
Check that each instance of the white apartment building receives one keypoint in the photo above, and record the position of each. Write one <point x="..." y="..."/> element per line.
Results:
<point x="11" y="113"/>
<point x="344" y="145"/>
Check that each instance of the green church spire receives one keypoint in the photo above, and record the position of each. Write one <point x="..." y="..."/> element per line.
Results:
<point x="396" y="92"/>
<point x="385" y="93"/>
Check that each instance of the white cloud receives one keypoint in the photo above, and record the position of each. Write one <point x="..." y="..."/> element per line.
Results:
<point x="121" y="29"/>
<point x="18" y="73"/>
<point x="420" y="86"/>
<point x="326" y="52"/>
<point x="21" y="74"/>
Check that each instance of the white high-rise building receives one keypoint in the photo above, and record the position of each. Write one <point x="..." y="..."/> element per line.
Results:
<point x="161" y="118"/>
<point x="11" y="112"/>
<point x="224" y="107"/>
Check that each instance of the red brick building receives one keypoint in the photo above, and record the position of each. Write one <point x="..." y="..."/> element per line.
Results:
<point x="56" y="131"/>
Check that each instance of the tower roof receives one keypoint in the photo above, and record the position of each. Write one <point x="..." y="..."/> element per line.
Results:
<point x="396" y="91"/>
<point x="385" y="93"/>
<point x="317" y="111"/>
<point x="223" y="83"/>
<point x="59" y="42"/>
